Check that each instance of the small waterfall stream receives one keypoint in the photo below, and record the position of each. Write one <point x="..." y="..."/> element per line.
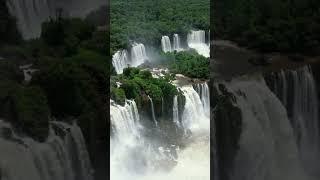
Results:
<point x="152" y="110"/>
<point x="166" y="44"/>
<point x="176" y="43"/>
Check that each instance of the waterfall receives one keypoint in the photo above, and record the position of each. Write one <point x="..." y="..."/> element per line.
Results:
<point x="194" y="116"/>
<point x="176" y="43"/>
<point x="176" y="111"/>
<point x="126" y="141"/>
<point x="197" y="37"/>
<point x="138" y="54"/>
<point x="166" y="44"/>
<point x="62" y="156"/>
<point x="125" y="120"/>
<point x="297" y="91"/>
<point x="203" y="91"/>
<point x="197" y="40"/>
<point x="140" y="153"/>
<point x="267" y="147"/>
<point x="120" y="61"/>
<point x="32" y="13"/>
<point x="152" y="110"/>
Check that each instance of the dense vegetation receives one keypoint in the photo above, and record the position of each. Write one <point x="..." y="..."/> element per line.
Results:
<point x="188" y="63"/>
<point x="147" y="20"/>
<point x="270" y="25"/>
<point x="136" y="83"/>
<point x="70" y="81"/>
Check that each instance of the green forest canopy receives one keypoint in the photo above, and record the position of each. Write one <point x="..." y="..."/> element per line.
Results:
<point x="269" y="25"/>
<point x="147" y="20"/>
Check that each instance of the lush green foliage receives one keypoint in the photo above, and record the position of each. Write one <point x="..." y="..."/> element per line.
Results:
<point x="138" y="83"/>
<point x="269" y="25"/>
<point x="146" y="21"/>
<point x="188" y="63"/>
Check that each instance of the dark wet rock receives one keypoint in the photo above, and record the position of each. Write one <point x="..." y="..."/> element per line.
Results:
<point x="228" y="123"/>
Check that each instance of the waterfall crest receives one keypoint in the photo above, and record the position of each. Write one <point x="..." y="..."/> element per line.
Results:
<point x="166" y="44"/>
<point x="197" y="40"/>
<point x="62" y="156"/>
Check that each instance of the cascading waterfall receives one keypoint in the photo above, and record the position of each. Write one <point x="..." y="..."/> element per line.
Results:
<point x="120" y="61"/>
<point x="297" y="91"/>
<point x="197" y="40"/>
<point x="138" y="54"/>
<point x="135" y="156"/>
<point x="267" y="147"/>
<point x="194" y="115"/>
<point x="32" y="13"/>
<point x="176" y="43"/>
<point x="166" y="44"/>
<point x="62" y="156"/>
<point x="125" y="141"/>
